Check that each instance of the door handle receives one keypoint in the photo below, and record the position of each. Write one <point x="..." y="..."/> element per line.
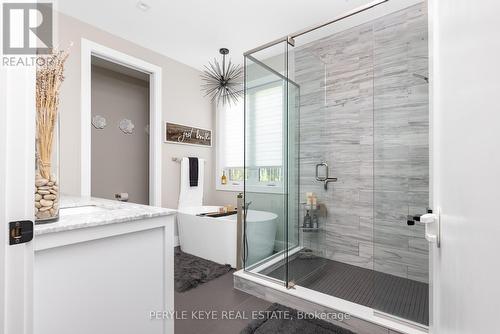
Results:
<point x="432" y="222"/>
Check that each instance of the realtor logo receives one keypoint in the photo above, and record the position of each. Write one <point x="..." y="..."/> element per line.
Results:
<point x="27" y="28"/>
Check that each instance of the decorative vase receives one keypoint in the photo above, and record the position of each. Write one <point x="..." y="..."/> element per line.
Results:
<point x="49" y="76"/>
<point x="47" y="193"/>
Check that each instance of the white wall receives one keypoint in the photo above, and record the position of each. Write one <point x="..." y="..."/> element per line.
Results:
<point x="183" y="102"/>
<point x="465" y="58"/>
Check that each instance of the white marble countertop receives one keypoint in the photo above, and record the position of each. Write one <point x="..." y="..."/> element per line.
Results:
<point x="79" y="212"/>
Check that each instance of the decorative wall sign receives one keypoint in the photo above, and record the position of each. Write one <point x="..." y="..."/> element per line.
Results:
<point x="127" y="126"/>
<point x="182" y="134"/>
<point x="99" y="122"/>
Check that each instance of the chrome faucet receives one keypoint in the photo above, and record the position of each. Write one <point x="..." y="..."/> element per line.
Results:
<point x="247" y="205"/>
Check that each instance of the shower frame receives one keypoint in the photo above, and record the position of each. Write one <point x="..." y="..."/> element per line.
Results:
<point x="290" y="39"/>
<point x="252" y="273"/>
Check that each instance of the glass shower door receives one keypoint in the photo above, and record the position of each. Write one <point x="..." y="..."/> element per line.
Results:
<point x="308" y="167"/>
<point x="272" y="167"/>
<point x="266" y="162"/>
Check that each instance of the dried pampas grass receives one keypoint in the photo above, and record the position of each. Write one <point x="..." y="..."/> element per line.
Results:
<point x="49" y="76"/>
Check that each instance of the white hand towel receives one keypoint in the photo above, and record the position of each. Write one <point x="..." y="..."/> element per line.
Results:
<point x="191" y="196"/>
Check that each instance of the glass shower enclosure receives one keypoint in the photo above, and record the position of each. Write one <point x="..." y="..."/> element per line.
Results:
<point x="336" y="148"/>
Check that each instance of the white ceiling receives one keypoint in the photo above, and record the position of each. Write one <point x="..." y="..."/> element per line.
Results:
<point x="192" y="31"/>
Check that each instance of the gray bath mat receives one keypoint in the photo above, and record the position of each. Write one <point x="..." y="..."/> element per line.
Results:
<point x="272" y="323"/>
<point x="190" y="270"/>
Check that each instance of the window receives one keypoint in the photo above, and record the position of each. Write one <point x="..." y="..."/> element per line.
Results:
<point x="230" y="145"/>
<point x="270" y="174"/>
<point x="264" y="131"/>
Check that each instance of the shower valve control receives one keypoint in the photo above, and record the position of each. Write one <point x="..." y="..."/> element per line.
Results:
<point x="323" y="177"/>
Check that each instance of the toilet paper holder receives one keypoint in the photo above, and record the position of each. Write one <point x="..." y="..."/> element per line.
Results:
<point x="122" y="197"/>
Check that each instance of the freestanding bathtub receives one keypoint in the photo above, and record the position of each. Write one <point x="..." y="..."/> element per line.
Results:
<point x="215" y="238"/>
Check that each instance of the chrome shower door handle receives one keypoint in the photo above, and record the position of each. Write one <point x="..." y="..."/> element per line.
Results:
<point x="322" y="178"/>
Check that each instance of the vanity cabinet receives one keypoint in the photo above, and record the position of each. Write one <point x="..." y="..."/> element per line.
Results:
<point x="104" y="277"/>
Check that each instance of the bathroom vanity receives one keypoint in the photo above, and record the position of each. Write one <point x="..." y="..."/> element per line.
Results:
<point x="103" y="268"/>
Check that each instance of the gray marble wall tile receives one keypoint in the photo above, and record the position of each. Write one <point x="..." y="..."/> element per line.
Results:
<point x="396" y="269"/>
<point x="417" y="274"/>
<point x="364" y="112"/>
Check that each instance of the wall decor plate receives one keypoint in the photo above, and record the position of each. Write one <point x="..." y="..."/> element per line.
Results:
<point x="127" y="126"/>
<point x="183" y="134"/>
<point x="99" y="122"/>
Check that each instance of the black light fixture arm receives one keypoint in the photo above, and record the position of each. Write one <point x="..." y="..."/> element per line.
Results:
<point x="224" y="52"/>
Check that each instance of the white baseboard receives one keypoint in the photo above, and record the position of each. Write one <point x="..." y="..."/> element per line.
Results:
<point x="176" y="241"/>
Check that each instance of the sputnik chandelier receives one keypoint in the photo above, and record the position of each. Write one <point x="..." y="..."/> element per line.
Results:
<point x="223" y="83"/>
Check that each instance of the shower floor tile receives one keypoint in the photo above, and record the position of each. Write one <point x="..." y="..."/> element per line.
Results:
<point x="394" y="295"/>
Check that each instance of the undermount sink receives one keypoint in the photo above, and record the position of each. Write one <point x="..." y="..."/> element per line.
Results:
<point x="82" y="210"/>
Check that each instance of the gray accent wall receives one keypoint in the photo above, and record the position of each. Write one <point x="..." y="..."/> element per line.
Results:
<point x="366" y="114"/>
<point x="120" y="162"/>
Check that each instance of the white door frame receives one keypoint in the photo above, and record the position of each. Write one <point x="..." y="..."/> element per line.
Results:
<point x="89" y="49"/>
<point x="17" y="181"/>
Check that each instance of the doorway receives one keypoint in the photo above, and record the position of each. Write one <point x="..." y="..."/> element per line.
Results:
<point x="120" y="132"/>
<point x="97" y="55"/>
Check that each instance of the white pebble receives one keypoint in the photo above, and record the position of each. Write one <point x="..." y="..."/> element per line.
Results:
<point x="41" y="182"/>
<point x="45" y="202"/>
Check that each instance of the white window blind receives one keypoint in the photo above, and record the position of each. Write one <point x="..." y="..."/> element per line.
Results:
<point x="231" y="127"/>
<point x="265" y="126"/>
<point x="264" y="140"/>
